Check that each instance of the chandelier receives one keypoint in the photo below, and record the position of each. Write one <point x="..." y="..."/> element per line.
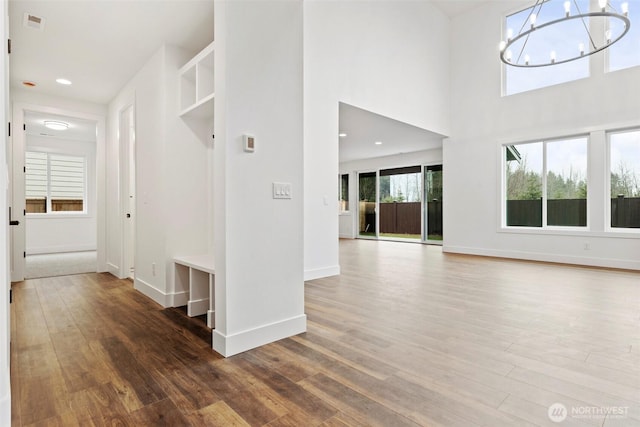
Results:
<point x="570" y="31"/>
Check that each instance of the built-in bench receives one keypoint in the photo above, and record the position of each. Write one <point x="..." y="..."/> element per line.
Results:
<point x="197" y="273"/>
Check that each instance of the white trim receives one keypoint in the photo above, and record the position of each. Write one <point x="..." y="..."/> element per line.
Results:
<point x="177" y="299"/>
<point x="151" y="292"/>
<point x="319" y="273"/>
<point x="197" y="307"/>
<point x="60" y="249"/>
<point x="545" y="257"/>
<point x="113" y="269"/>
<point x="228" y="345"/>
<point x="5" y="399"/>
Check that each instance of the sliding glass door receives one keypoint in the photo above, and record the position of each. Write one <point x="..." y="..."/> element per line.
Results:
<point x="400" y="203"/>
<point x="433" y="204"/>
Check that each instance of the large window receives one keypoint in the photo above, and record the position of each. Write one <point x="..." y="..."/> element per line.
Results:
<point x="519" y="80"/>
<point x="624" y="167"/>
<point x="626" y="52"/>
<point x="54" y="183"/>
<point x="546" y="183"/>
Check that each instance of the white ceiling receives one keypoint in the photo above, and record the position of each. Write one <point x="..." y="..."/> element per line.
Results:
<point x="79" y="129"/>
<point x="100" y="45"/>
<point x="364" y="128"/>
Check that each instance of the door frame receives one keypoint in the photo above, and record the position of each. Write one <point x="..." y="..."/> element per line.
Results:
<point x="128" y="243"/>
<point x="16" y="165"/>
<point x="357" y="210"/>
<point x="425" y="225"/>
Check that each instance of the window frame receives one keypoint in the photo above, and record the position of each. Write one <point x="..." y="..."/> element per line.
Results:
<point x="634" y="232"/>
<point x="544" y="226"/>
<point x="85" y="212"/>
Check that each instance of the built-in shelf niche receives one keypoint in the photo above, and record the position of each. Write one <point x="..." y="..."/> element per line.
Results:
<point x="196" y="85"/>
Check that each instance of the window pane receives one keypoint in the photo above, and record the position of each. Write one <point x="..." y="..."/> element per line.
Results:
<point x="66" y="182"/>
<point x="36" y="182"/>
<point x="344" y="192"/>
<point x="367" y="200"/>
<point x="564" y="37"/>
<point x="625" y="179"/>
<point x="626" y="52"/>
<point x="524" y="184"/>
<point x="567" y="182"/>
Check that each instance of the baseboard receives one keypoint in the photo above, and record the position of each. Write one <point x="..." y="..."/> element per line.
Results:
<point x="545" y="257"/>
<point x="166" y="300"/>
<point x="5" y="400"/>
<point x="228" y="345"/>
<point x="113" y="269"/>
<point x="197" y="307"/>
<point x="60" y="249"/>
<point x="319" y="273"/>
<point x="153" y="293"/>
<point x="179" y="299"/>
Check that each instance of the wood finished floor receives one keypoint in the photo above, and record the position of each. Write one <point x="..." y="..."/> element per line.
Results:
<point x="405" y="336"/>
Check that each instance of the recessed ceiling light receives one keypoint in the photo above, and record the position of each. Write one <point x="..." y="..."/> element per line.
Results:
<point x="51" y="124"/>
<point x="378" y="142"/>
<point x="63" y="81"/>
<point x="342" y="134"/>
<point x="28" y="83"/>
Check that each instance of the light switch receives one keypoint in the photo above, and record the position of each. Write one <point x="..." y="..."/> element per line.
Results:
<point x="281" y="190"/>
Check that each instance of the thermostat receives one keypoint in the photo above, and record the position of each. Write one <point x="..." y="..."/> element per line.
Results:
<point x="249" y="143"/>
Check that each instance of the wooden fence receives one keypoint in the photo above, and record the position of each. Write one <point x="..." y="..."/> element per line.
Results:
<point x="400" y="218"/>
<point x="625" y="212"/>
<point x="57" y="205"/>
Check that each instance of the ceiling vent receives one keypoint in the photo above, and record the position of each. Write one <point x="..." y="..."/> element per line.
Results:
<point x="33" y="21"/>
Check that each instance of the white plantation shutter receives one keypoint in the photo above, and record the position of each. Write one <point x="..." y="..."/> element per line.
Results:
<point x="55" y="177"/>
<point x="35" y="175"/>
<point x="67" y="177"/>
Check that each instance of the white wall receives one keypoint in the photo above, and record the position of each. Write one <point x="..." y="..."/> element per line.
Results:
<point x="482" y="120"/>
<point x="172" y="214"/>
<point x="5" y="330"/>
<point x="67" y="232"/>
<point x="347" y="221"/>
<point x="258" y="240"/>
<point x="391" y="58"/>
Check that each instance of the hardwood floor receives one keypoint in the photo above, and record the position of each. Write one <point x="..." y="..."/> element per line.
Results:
<point x="405" y="336"/>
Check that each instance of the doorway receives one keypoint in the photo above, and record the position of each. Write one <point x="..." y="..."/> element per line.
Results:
<point x="403" y="203"/>
<point x="55" y="188"/>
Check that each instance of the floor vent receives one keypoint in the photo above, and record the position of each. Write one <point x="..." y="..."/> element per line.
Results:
<point x="33" y="21"/>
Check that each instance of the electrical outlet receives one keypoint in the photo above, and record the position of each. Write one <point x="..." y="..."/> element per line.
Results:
<point x="153" y="268"/>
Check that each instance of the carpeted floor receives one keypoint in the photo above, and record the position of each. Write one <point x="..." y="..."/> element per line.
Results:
<point x="60" y="264"/>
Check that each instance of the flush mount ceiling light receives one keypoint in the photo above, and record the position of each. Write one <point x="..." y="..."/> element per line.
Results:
<point x="63" y="82"/>
<point x="342" y="135"/>
<point x="378" y="142"/>
<point x="55" y="125"/>
<point x="563" y="37"/>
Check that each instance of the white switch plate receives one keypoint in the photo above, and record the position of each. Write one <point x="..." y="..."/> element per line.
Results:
<point x="281" y="190"/>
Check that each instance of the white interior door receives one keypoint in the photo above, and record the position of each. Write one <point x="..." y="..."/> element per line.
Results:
<point x="127" y="141"/>
<point x="16" y="196"/>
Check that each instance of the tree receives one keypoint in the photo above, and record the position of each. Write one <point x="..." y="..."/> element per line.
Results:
<point x="625" y="181"/>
